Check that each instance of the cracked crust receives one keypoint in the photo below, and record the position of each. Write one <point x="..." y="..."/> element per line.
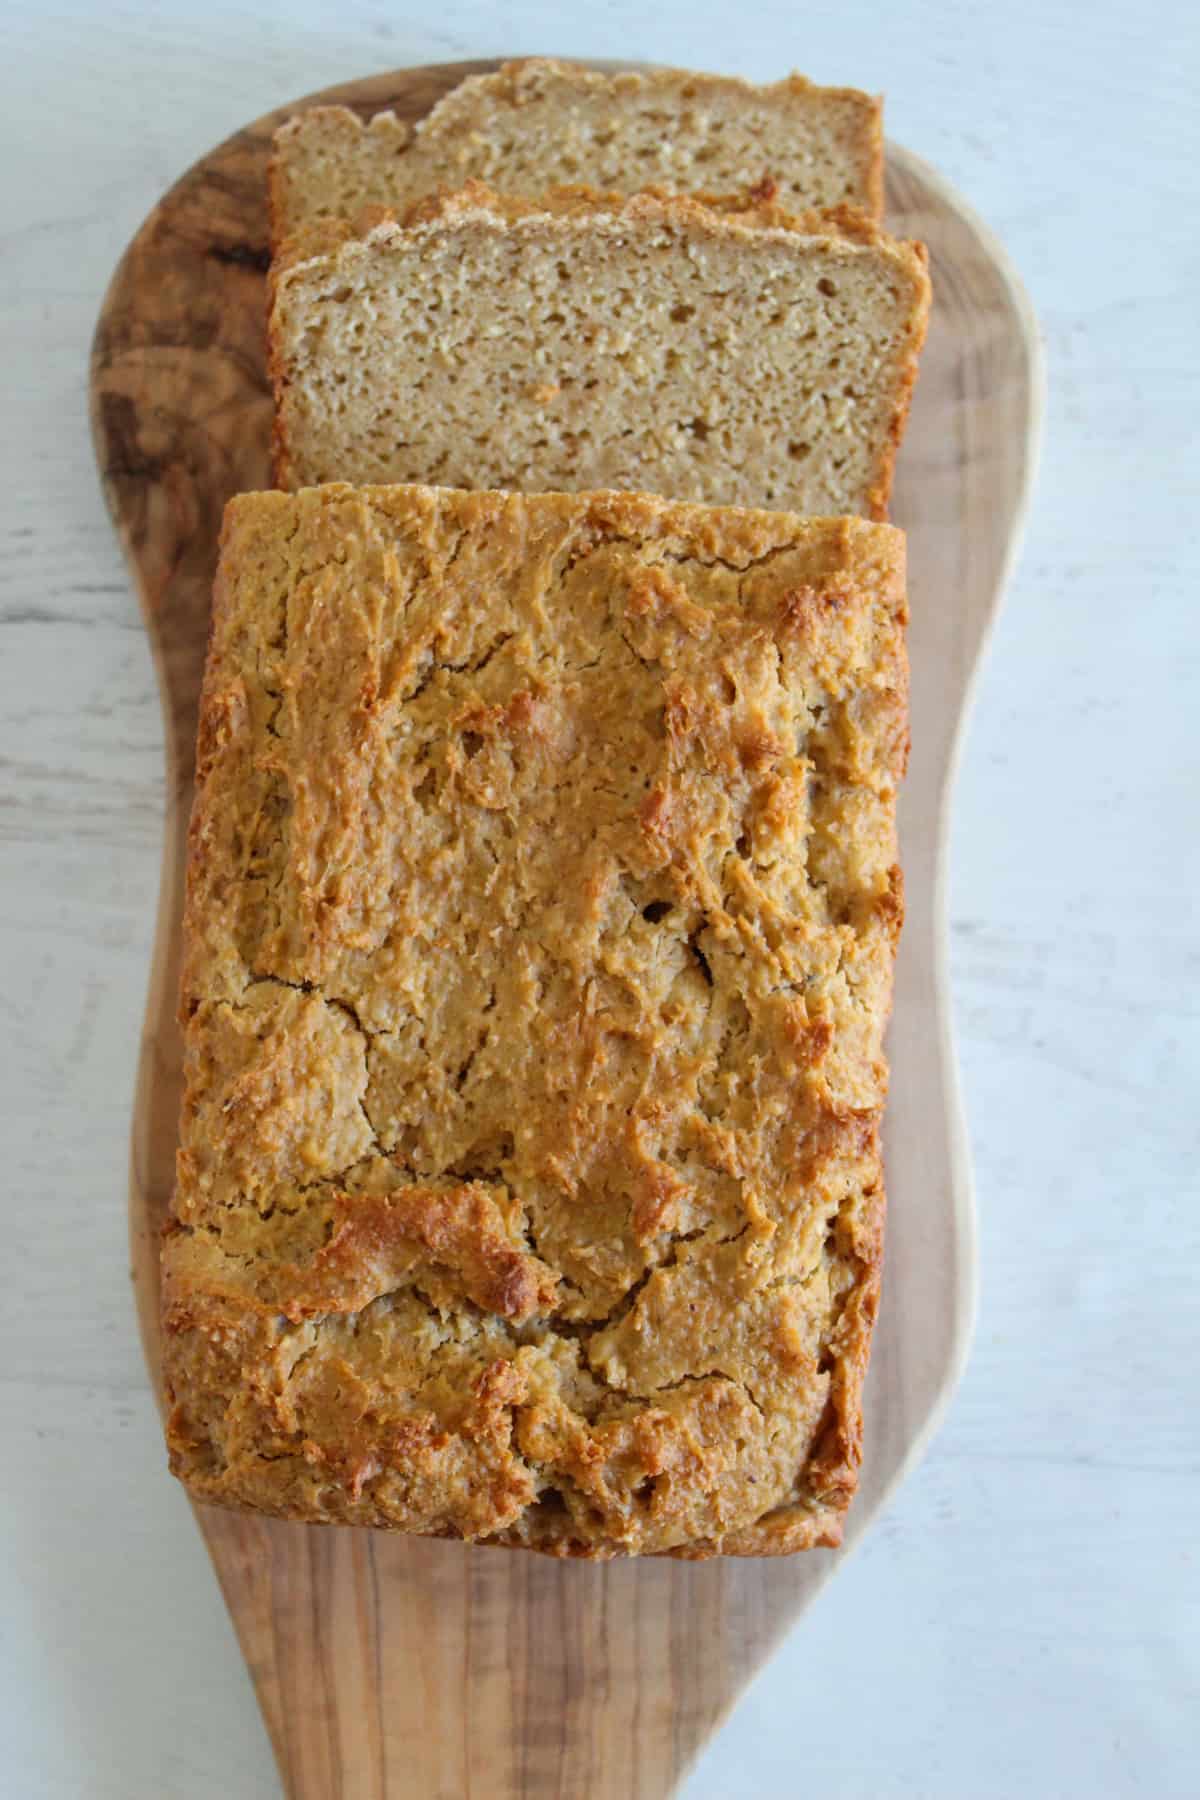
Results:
<point x="537" y="123"/>
<point x="542" y="904"/>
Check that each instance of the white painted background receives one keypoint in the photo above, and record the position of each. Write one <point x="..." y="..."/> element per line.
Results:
<point x="1026" y="1619"/>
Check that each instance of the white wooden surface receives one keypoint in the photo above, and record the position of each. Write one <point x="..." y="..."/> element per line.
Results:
<point x="1025" y="1618"/>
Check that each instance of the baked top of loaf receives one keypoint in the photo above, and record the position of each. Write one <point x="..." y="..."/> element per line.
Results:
<point x="723" y="353"/>
<point x="754" y="207"/>
<point x="535" y="124"/>
<point x="541" y="908"/>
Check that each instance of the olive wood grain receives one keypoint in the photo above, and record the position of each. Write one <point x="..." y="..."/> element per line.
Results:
<point x="386" y="1666"/>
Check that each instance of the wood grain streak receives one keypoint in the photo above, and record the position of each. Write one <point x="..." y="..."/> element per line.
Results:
<point x="388" y="1667"/>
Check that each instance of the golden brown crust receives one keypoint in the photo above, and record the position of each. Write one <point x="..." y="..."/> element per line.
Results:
<point x="277" y="218"/>
<point x="881" y="494"/>
<point x="756" y="208"/>
<point x="278" y="376"/>
<point x="701" y="212"/>
<point x="541" y="911"/>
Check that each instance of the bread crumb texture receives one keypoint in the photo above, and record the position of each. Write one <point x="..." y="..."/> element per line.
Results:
<point x="718" y="350"/>
<point x="542" y="903"/>
<point x="533" y="124"/>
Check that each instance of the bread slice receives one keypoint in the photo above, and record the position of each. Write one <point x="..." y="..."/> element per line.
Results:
<point x="538" y="124"/>
<point x="587" y="341"/>
<point x="541" y="910"/>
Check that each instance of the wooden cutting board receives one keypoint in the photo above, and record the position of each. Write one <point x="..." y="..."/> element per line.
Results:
<point x="387" y="1667"/>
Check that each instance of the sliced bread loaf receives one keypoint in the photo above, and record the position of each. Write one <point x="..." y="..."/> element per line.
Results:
<point x="536" y="124"/>
<point x="590" y="341"/>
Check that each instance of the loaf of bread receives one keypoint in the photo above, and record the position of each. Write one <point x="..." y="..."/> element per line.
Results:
<point x="536" y="124"/>
<point x="585" y="341"/>
<point x="541" y="908"/>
